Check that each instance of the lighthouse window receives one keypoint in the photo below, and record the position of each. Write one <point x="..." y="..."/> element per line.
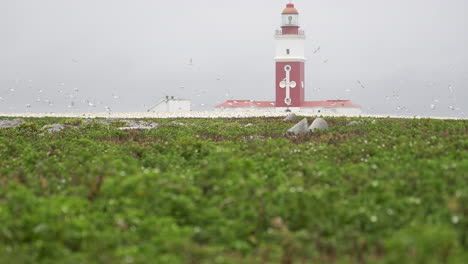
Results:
<point x="287" y="51"/>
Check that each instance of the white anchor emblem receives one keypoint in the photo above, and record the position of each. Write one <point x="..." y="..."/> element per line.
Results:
<point x="286" y="83"/>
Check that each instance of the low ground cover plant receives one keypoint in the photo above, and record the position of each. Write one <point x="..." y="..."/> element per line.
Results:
<point x="234" y="191"/>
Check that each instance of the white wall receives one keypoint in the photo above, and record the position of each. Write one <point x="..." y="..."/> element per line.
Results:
<point x="317" y="110"/>
<point x="247" y="109"/>
<point x="330" y="110"/>
<point x="295" y="44"/>
<point x="285" y="109"/>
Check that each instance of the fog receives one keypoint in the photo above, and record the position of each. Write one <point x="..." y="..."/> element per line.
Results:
<point x="397" y="57"/>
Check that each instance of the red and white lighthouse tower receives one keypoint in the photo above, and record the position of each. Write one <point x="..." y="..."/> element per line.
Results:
<point x="290" y="60"/>
<point x="289" y="76"/>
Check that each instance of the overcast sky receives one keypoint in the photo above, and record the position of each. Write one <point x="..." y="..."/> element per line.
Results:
<point x="399" y="56"/>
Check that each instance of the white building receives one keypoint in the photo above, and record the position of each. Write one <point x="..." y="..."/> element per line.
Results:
<point x="171" y="104"/>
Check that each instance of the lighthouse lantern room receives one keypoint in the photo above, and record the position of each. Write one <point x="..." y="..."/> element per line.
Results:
<point x="290" y="19"/>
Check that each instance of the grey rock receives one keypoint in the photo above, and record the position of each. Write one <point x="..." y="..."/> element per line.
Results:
<point x="53" y="128"/>
<point x="254" y="137"/>
<point x="318" y="124"/>
<point x="87" y="120"/>
<point x="178" y="123"/>
<point x="106" y="121"/>
<point x="299" y="128"/>
<point x="290" y="117"/>
<point x="11" y="123"/>
<point x="354" y="123"/>
<point x="141" y="128"/>
<point x="138" y="125"/>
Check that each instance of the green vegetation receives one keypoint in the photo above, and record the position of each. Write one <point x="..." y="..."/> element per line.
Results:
<point x="235" y="191"/>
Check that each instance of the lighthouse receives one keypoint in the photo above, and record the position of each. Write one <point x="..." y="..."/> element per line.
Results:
<point x="289" y="76"/>
<point x="290" y="60"/>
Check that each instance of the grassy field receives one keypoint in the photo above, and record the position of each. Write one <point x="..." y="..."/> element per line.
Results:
<point x="235" y="191"/>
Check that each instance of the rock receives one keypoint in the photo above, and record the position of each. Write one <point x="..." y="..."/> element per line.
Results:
<point x="141" y="128"/>
<point x="354" y="123"/>
<point x="290" y="117"/>
<point x="254" y="137"/>
<point x="11" y="123"/>
<point x="178" y="123"/>
<point x="106" y="121"/>
<point x="299" y="128"/>
<point x="129" y="124"/>
<point x="320" y="124"/>
<point x="53" y="128"/>
<point x="138" y="125"/>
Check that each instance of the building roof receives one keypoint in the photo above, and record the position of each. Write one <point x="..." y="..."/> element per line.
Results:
<point x="264" y="104"/>
<point x="245" y="103"/>
<point x="290" y="9"/>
